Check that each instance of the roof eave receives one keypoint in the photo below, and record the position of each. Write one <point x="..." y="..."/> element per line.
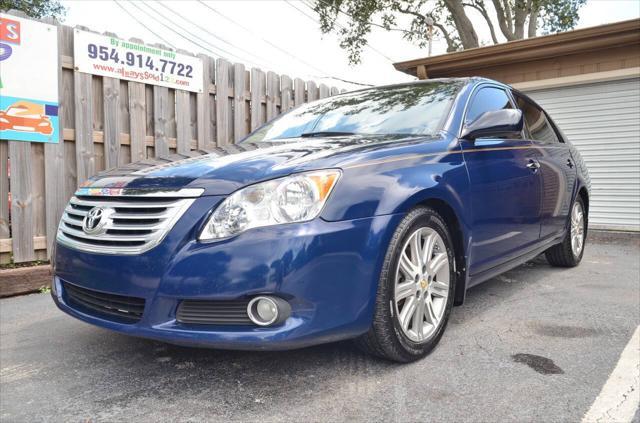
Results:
<point x="571" y="42"/>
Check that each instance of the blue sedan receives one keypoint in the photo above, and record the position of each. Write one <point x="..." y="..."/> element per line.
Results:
<point x="366" y="216"/>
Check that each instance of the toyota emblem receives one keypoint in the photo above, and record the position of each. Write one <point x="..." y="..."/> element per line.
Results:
<point x="96" y="220"/>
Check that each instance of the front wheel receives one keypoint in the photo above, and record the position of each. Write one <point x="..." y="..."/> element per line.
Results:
<point x="569" y="252"/>
<point x="415" y="290"/>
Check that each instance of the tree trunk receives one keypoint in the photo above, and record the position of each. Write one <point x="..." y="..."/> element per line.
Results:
<point x="451" y="45"/>
<point x="520" y="15"/>
<point x="533" y="21"/>
<point x="468" y="36"/>
<point x="480" y="7"/>
<point x="503" y="21"/>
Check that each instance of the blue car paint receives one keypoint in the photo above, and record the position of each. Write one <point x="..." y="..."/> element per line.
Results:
<point x="505" y="196"/>
<point x="327" y="268"/>
<point x="323" y="268"/>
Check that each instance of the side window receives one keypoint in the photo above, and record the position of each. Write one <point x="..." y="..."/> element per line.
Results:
<point x="537" y="122"/>
<point x="487" y="99"/>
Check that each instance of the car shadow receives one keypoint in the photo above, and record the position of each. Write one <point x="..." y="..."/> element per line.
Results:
<point x="502" y="288"/>
<point x="249" y="378"/>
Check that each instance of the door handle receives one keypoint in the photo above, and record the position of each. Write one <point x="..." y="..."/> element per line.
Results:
<point x="534" y="165"/>
<point x="570" y="163"/>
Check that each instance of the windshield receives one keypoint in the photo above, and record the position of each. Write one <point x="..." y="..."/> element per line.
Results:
<point x="417" y="109"/>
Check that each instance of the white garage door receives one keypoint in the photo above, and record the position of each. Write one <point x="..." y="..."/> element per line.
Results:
<point x="603" y="121"/>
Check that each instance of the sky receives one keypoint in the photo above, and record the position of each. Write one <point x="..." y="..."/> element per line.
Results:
<point x="282" y="36"/>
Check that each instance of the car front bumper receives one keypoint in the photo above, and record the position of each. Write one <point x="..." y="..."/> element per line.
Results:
<point x="327" y="271"/>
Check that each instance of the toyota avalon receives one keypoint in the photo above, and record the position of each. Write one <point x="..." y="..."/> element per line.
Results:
<point x="367" y="215"/>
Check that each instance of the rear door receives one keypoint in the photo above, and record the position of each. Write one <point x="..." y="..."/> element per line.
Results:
<point x="504" y="188"/>
<point x="557" y="169"/>
<point x="601" y="121"/>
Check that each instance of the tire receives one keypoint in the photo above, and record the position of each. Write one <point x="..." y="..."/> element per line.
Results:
<point x="565" y="254"/>
<point x="388" y="337"/>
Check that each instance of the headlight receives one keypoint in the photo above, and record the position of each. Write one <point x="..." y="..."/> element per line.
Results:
<point x="295" y="198"/>
<point x="4" y="120"/>
<point x="43" y="124"/>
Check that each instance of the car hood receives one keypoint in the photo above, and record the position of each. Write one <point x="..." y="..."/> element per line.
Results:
<point x="231" y="167"/>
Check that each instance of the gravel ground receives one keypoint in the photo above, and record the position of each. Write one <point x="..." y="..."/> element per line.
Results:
<point x="535" y="344"/>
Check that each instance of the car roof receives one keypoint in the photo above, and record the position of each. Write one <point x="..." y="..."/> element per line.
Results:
<point x="470" y="80"/>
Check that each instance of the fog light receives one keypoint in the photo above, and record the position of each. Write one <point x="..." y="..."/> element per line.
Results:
<point x="266" y="311"/>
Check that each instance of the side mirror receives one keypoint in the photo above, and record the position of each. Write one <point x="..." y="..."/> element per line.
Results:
<point x="497" y="123"/>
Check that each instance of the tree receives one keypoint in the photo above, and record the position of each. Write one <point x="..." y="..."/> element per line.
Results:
<point x="451" y="20"/>
<point x="36" y="8"/>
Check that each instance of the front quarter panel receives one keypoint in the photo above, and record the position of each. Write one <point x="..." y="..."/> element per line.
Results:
<point x="399" y="181"/>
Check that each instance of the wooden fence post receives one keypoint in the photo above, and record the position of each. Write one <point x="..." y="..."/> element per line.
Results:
<point x="273" y="91"/>
<point x="257" y="92"/>
<point x="299" y="92"/>
<point x="223" y="116"/>
<point x="83" y="100"/>
<point x="111" y="139"/>
<point x="286" y="93"/>
<point x="4" y="195"/>
<point x="22" y="219"/>
<point x="312" y="91"/>
<point x="239" y="116"/>
<point x="203" y="103"/>
<point x="54" y="160"/>
<point x="183" y="119"/>
<point x="324" y="91"/>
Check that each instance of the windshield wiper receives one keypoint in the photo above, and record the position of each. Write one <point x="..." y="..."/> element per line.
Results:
<point x="325" y="134"/>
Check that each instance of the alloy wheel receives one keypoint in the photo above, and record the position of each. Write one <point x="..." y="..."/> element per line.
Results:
<point x="421" y="284"/>
<point x="577" y="229"/>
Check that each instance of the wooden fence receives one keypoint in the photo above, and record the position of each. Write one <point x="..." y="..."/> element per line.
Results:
<point x="108" y="122"/>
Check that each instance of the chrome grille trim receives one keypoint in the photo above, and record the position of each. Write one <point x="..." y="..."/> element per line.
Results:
<point x="135" y="192"/>
<point x="136" y="223"/>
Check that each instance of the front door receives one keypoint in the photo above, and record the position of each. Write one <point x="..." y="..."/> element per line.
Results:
<point x="505" y="188"/>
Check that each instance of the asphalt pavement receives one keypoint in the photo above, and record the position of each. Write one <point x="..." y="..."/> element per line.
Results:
<point x="535" y="344"/>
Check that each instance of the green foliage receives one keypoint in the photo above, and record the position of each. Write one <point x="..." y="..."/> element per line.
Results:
<point x="36" y="8"/>
<point x="558" y="16"/>
<point x="450" y="17"/>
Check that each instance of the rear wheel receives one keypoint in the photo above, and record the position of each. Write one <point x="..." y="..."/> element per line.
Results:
<point x="569" y="252"/>
<point x="415" y="290"/>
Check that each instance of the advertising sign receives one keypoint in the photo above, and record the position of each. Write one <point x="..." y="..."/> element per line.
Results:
<point x="108" y="56"/>
<point x="28" y="80"/>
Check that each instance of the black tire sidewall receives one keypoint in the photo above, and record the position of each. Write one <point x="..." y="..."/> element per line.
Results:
<point x="423" y="217"/>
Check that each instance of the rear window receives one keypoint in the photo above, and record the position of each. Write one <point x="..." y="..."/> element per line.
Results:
<point x="539" y="126"/>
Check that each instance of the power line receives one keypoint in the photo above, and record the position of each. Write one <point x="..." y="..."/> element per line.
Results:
<point x="301" y="11"/>
<point x="339" y="26"/>
<point x="143" y="25"/>
<point x="259" y="58"/>
<point x="259" y="36"/>
<point x="277" y="47"/>
<point x="208" y="49"/>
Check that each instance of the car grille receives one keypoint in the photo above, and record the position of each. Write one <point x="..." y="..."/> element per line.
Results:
<point x="213" y="312"/>
<point x="132" y="224"/>
<point x="127" y="309"/>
